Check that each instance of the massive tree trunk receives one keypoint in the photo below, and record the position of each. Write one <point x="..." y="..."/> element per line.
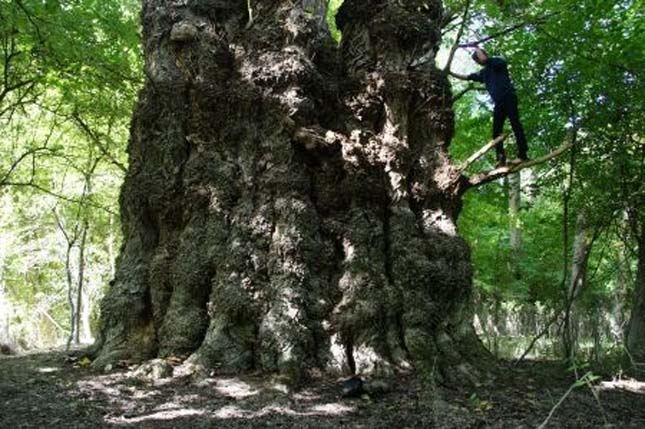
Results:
<point x="290" y="204"/>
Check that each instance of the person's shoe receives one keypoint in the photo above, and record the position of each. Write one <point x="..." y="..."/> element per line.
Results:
<point x="500" y="163"/>
<point x="517" y="161"/>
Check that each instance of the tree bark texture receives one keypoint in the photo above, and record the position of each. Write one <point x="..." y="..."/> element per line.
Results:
<point x="288" y="204"/>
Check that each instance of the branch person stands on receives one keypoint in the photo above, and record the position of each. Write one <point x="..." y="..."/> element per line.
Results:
<point x="494" y="74"/>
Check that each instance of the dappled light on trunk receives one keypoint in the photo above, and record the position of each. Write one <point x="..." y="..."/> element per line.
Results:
<point x="289" y="202"/>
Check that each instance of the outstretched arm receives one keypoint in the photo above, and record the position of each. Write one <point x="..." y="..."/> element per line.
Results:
<point x="476" y="77"/>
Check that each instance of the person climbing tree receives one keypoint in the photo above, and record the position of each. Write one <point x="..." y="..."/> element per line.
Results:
<point x="495" y="76"/>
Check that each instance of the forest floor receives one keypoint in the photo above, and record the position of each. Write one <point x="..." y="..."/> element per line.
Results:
<point x="49" y="390"/>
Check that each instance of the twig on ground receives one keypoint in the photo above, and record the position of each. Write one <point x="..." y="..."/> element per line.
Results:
<point x="555" y="407"/>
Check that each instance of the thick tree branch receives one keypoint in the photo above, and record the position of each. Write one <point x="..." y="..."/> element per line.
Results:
<point x="457" y="75"/>
<point x="497" y="173"/>
<point x="450" y="29"/>
<point x="448" y="18"/>
<point x="483" y="151"/>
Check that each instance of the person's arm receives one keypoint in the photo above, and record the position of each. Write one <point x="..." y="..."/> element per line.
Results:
<point x="457" y="75"/>
<point x="475" y="77"/>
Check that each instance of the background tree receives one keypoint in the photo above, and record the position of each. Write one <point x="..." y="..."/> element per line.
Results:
<point x="69" y="76"/>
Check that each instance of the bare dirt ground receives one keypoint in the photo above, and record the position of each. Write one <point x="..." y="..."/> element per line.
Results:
<point x="48" y="390"/>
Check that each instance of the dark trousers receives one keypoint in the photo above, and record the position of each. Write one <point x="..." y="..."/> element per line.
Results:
<point x="507" y="108"/>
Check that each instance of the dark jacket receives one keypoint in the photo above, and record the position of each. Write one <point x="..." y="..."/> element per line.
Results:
<point x="495" y="75"/>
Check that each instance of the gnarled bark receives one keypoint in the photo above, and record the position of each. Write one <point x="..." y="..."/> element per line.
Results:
<point x="289" y="203"/>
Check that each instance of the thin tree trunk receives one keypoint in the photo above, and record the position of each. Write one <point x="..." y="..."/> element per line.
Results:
<point x="529" y="181"/>
<point x="620" y="301"/>
<point x="636" y="326"/>
<point x="86" y="315"/>
<point x="497" y="306"/>
<point x="566" y="197"/>
<point x="80" y="281"/>
<point x="4" y="314"/>
<point x="70" y="295"/>
<point x="484" y="320"/>
<point x="514" y="203"/>
<point x="70" y="240"/>
<point x="597" y="324"/>
<point x="4" y="302"/>
<point x="581" y="249"/>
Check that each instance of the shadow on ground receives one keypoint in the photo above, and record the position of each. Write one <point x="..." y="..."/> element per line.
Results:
<point x="47" y="390"/>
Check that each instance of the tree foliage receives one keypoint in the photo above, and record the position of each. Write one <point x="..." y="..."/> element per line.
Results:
<point x="577" y="67"/>
<point x="70" y="71"/>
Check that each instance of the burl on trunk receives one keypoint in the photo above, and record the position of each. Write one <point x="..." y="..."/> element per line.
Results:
<point x="289" y="203"/>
